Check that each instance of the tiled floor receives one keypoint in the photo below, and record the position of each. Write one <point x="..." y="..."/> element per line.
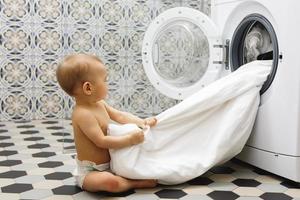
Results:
<point x="33" y="166"/>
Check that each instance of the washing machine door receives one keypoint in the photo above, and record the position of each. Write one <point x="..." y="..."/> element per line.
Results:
<point x="181" y="52"/>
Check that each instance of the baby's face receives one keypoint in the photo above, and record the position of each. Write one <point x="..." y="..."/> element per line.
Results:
<point x="99" y="74"/>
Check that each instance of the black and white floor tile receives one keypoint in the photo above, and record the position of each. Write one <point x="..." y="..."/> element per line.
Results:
<point x="37" y="159"/>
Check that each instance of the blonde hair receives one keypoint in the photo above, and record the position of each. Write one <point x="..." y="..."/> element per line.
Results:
<point x="74" y="69"/>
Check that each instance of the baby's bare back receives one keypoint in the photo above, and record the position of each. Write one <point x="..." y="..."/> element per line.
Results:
<point x="86" y="149"/>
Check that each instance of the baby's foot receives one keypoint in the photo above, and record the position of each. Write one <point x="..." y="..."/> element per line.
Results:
<point x="146" y="184"/>
<point x="151" y="183"/>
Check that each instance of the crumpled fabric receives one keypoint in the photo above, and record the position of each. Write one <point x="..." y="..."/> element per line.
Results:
<point x="204" y="130"/>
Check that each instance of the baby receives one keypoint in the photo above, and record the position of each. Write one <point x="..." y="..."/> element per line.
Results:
<point x="84" y="78"/>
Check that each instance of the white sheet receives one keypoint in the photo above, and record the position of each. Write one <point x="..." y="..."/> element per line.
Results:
<point x="206" y="129"/>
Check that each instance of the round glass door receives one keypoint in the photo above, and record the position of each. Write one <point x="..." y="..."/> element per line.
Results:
<point x="179" y="54"/>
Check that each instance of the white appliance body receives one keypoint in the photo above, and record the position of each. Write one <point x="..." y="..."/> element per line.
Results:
<point x="274" y="144"/>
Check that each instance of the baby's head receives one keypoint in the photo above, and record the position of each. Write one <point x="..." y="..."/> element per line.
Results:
<point x="82" y="75"/>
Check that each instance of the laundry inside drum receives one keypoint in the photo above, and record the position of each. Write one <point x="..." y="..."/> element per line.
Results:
<point x="258" y="44"/>
<point x="181" y="53"/>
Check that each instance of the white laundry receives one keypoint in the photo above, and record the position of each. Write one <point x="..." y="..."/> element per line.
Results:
<point x="206" y="129"/>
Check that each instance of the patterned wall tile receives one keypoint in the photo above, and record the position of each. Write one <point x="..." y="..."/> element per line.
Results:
<point x="202" y="5"/>
<point x="35" y="35"/>
<point x="112" y="13"/>
<point x="162" y="102"/>
<point x="47" y="39"/>
<point x="140" y="13"/>
<point x="135" y="72"/>
<point x="134" y="41"/>
<point x="16" y="104"/>
<point x="15" y="11"/>
<point x="79" y="38"/>
<point x="47" y="11"/>
<point x="15" y="39"/>
<point x="83" y="12"/>
<point x="116" y="69"/>
<point x="45" y="71"/>
<point x="69" y="103"/>
<point x="16" y="71"/>
<point x="48" y="103"/>
<point x="112" y="41"/>
<point x="116" y="97"/>
<point x="139" y="100"/>
<point x="2" y="91"/>
<point x="162" y="5"/>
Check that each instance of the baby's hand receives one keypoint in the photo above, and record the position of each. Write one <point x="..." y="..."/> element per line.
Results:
<point x="136" y="137"/>
<point x="151" y="121"/>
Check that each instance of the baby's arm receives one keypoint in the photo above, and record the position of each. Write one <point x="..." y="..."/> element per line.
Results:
<point x="125" y="117"/>
<point x="89" y="126"/>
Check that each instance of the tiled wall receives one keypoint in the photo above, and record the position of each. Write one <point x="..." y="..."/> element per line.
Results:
<point x="36" y="34"/>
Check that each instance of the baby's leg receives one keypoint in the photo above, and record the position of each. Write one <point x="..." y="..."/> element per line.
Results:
<point x="105" y="181"/>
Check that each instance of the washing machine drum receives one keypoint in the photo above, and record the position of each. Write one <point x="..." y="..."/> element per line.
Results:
<point x="183" y="51"/>
<point x="255" y="39"/>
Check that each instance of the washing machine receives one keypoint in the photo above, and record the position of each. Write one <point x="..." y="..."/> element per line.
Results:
<point x="184" y="50"/>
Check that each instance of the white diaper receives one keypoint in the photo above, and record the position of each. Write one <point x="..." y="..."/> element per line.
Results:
<point x="84" y="167"/>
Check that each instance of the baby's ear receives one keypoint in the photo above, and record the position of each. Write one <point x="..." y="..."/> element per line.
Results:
<point x="87" y="88"/>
